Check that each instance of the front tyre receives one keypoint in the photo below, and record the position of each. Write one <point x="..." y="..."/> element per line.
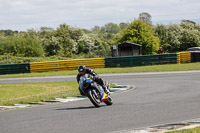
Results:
<point x="94" y="99"/>
<point x="109" y="101"/>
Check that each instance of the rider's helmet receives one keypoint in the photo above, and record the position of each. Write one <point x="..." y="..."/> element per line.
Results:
<point x="82" y="69"/>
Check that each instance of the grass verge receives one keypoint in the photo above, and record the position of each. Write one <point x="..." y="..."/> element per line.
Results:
<point x="194" y="130"/>
<point x="24" y="93"/>
<point x="36" y="92"/>
<point x="155" y="68"/>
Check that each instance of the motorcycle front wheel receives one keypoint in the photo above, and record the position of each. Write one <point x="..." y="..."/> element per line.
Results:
<point x="93" y="98"/>
<point x="109" y="101"/>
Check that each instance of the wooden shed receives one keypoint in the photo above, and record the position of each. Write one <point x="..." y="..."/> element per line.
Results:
<point x="127" y="49"/>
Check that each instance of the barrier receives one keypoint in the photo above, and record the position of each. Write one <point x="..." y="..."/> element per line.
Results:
<point x="14" y="68"/>
<point x="124" y="61"/>
<point x="195" y="56"/>
<point x="66" y="65"/>
<point x="183" y="57"/>
<point x="142" y="60"/>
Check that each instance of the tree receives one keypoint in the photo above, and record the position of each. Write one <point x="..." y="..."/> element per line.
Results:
<point x="111" y="28"/>
<point x="51" y="45"/>
<point x="96" y="28"/>
<point x="190" y="36"/>
<point x="9" y="32"/>
<point x="145" y="17"/>
<point x="188" y="21"/>
<point x="179" y="37"/>
<point x="123" y="25"/>
<point x="66" y="44"/>
<point x="162" y="32"/>
<point x="46" y="29"/>
<point x="141" y="33"/>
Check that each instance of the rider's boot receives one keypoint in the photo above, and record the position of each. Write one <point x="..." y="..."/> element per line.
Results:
<point x="106" y="90"/>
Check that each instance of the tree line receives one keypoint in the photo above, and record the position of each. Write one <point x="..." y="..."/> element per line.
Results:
<point x="72" y="42"/>
<point x="179" y="37"/>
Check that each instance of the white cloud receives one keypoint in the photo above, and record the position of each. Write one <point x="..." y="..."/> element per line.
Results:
<point x="23" y="14"/>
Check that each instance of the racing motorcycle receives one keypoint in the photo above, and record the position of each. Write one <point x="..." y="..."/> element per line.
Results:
<point x="94" y="91"/>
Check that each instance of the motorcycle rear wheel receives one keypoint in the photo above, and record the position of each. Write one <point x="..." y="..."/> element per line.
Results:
<point x="94" y="99"/>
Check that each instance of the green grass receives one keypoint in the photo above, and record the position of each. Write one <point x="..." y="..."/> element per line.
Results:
<point x="155" y="68"/>
<point x="36" y="92"/>
<point x="24" y="93"/>
<point x="194" y="130"/>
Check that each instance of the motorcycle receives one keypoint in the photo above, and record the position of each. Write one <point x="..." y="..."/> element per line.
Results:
<point x="94" y="91"/>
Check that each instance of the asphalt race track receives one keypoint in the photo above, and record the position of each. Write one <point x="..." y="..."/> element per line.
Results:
<point x="159" y="98"/>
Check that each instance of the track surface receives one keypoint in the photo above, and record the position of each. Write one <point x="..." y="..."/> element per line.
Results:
<point x="159" y="98"/>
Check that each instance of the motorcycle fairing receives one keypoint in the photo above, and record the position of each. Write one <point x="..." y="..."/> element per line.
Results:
<point x="104" y="98"/>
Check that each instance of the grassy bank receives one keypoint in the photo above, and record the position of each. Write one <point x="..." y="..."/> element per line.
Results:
<point x="155" y="68"/>
<point x="24" y="93"/>
<point x="36" y="92"/>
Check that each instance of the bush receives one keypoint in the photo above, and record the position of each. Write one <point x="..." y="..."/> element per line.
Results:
<point x="18" y="46"/>
<point x="141" y="33"/>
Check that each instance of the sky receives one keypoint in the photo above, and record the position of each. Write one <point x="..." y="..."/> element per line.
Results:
<point x="22" y="15"/>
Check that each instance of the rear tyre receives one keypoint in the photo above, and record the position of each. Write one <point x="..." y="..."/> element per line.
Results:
<point x="95" y="100"/>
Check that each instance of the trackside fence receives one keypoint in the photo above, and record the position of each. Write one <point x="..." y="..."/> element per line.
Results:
<point x="143" y="60"/>
<point x="183" y="57"/>
<point x="66" y="65"/>
<point x="15" y="68"/>
<point x="125" y="61"/>
<point x="195" y="56"/>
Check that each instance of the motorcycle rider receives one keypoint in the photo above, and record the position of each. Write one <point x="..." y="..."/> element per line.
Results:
<point x="83" y="70"/>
